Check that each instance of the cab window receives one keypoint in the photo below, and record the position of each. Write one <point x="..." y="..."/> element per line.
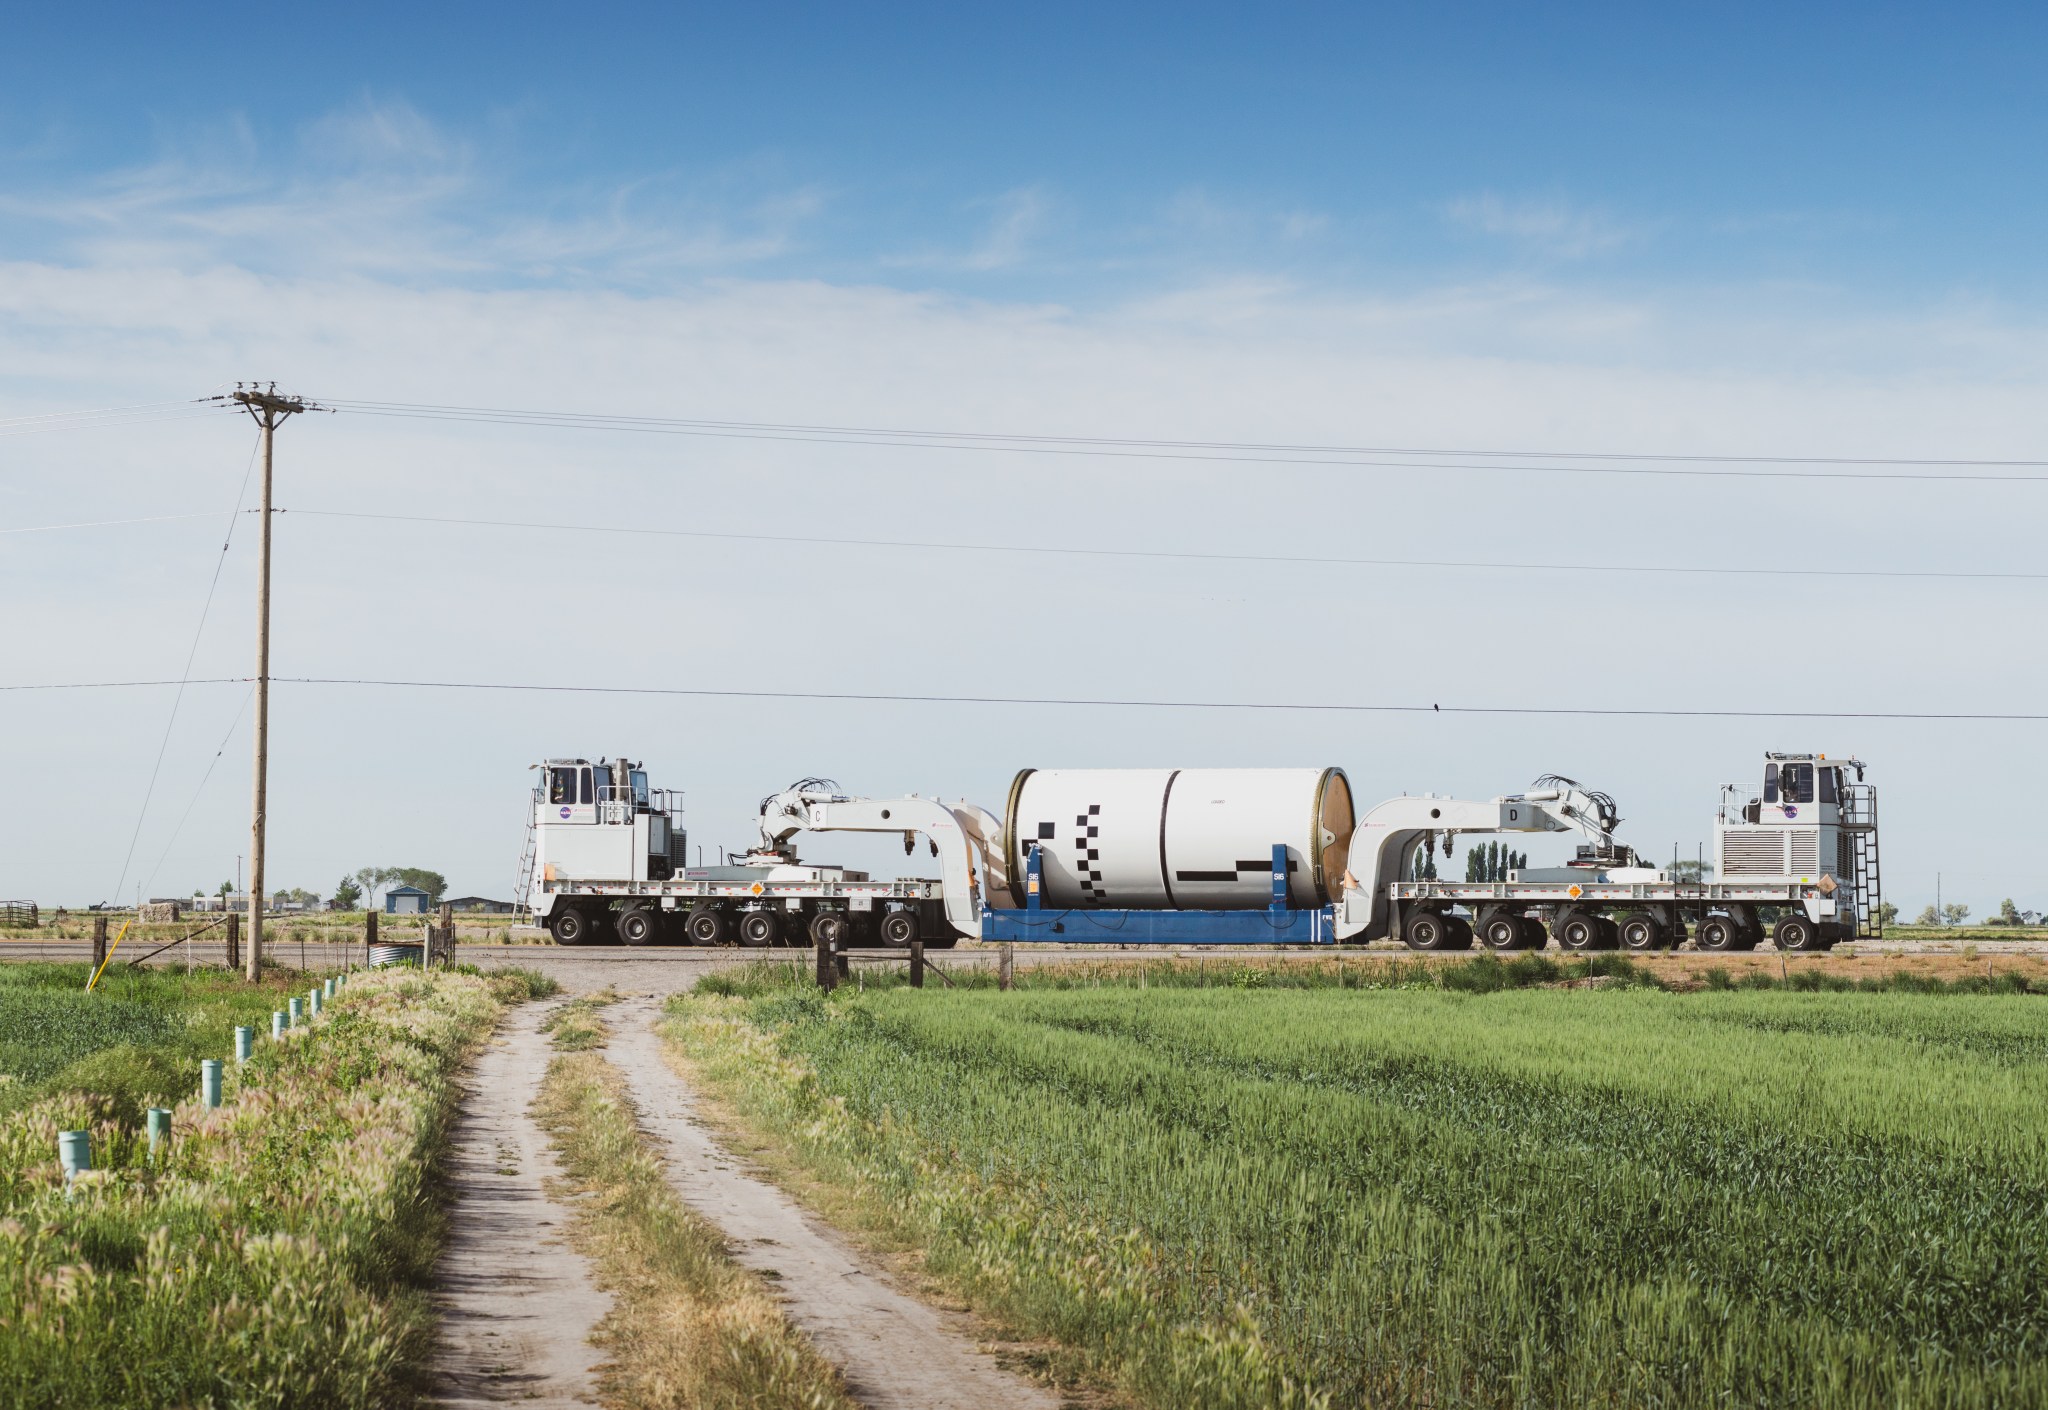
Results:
<point x="561" y="785"/>
<point x="1830" y="785"/>
<point x="588" y="795"/>
<point x="639" y="778"/>
<point x="1770" y="783"/>
<point x="1797" y="780"/>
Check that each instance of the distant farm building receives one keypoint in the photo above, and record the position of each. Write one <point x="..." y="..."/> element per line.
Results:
<point x="482" y="905"/>
<point x="406" y="901"/>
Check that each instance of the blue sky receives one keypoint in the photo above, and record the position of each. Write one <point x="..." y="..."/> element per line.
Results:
<point x="1066" y="151"/>
<point x="1740" y="231"/>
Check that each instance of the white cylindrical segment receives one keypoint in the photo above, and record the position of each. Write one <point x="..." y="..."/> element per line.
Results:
<point x="1178" y="839"/>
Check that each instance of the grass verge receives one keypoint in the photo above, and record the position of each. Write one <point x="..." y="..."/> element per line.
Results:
<point x="276" y="1252"/>
<point x="688" y="1327"/>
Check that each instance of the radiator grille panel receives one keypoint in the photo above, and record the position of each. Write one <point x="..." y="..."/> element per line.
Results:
<point x="1805" y="851"/>
<point x="1753" y="853"/>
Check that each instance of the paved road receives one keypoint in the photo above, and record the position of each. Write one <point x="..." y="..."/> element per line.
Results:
<point x="661" y="968"/>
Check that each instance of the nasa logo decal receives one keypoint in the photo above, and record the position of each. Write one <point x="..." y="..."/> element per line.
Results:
<point x="1790" y="811"/>
<point x="565" y="812"/>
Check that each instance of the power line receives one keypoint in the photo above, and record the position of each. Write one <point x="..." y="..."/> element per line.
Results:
<point x="1435" y="708"/>
<point x="191" y="654"/>
<point x="124" y="685"/>
<point x="1196" y="445"/>
<point x="150" y="881"/>
<point x="110" y="523"/>
<point x="1226" y="452"/>
<point x="1347" y="708"/>
<point x="1143" y="553"/>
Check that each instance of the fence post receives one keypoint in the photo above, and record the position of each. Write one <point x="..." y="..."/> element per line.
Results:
<point x="234" y="927"/>
<point x="447" y="935"/>
<point x="828" y="972"/>
<point x="1006" y="966"/>
<point x="917" y="962"/>
<point x="99" y="942"/>
<point x="369" y="934"/>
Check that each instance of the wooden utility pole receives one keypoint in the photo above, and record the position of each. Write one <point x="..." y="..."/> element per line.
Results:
<point x="270" y="410"/>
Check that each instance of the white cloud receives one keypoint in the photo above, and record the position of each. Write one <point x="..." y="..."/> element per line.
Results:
<point x="196" y="273"/>
<point x="1551" y="225"/>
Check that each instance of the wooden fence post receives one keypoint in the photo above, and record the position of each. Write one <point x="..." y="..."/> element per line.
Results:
<point x="1006" y="966"/>
<point x="369" y="935"/>
<point x="828" y="972"/>
<point x="234" y="929"/>
<point x="917" y="962"/>
<point x="447" y="933"/>
<point x="99" y="941"/>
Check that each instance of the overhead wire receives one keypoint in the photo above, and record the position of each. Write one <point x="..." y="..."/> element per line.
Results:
<point x="1235" y="452"/>
<point x="193" y="802"/>
<point x="1194" y="555"/>
<point x="191" y="654"/>
<point x="885" y="697"/>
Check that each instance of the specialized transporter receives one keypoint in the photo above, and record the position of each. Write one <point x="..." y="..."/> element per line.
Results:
<point x="1255" y="856"/>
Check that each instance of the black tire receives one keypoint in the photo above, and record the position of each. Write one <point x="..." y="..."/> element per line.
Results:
<point x="1796" y="932"/>
<point x="1579" y="930"/>
<point x="1719" y="934"/>
<point x="1503" y="930"/>
<point x="759" y="929"/>
<point x="830" y="929"/>
<point x="571" y="925"/>
<point x="899" y="928"/>
<point x="708" y="925"/>
<point x="636" y="926"/>
<point x="1461" y="932"/>
<point x="1427" y="930"/>
<point x="1534" y="935"/>
<point x="1641" y="932"/>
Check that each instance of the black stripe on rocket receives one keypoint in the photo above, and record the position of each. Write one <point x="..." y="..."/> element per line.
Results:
<point x="1088" y="853"/>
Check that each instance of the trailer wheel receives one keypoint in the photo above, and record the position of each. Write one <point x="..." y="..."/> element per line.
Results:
<point x="1719" y="933"/>
<point x="1796" y="932"/>
<point x="1503" y="930"/>
<point x="707" y="925"/>
<point x="1534" y="936"/>
<point x="1427" y="930"/>
<point x="635" y="926"/>
<point x="760" y="928"/>
<point x="1461" y="932"/>
<point x="572" y="925"/>
<point x="830" y="929"/>
<point x="899" y="928"/>
<point x="1578" y="930"/>
<point x="1641" y="931"/>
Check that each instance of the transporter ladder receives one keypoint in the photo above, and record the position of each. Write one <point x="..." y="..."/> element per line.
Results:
<point x="1859" y="812"/>
<point x="526" y="860"/>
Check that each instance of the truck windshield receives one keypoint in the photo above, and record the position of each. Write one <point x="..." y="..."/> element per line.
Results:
<point x="561" y="785"/>
<point x="1830" y="785"/>
<point x="1798" y="781"/>
<point x="1770" y="783"/>
<point x="639" y="778"/>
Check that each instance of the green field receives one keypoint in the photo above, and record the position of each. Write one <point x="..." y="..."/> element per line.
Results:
<point x="1410" y="1196"/>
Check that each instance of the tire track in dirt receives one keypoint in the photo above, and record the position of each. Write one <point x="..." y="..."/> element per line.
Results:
<point x="517" y="1303"/>
<point x="895" y="1352"/>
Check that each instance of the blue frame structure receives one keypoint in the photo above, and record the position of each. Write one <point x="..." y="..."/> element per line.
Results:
<point x="1277" y="924"/>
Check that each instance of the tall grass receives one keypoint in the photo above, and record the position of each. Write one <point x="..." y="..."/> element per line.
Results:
<point x="275" y="1253"/>
<point x="1418" y="1195"/>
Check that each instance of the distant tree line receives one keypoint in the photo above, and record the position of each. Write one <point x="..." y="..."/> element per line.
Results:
<point x="1493" y="862"/>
